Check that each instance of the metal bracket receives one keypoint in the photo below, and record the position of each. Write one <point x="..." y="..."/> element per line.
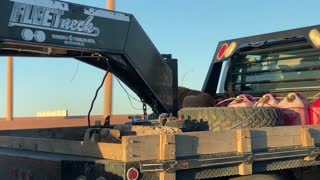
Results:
<point x="313" y="153"/>
<point x="154" y="167"/>
<point x="135" y="119"/>
<point x="249" y="158"/>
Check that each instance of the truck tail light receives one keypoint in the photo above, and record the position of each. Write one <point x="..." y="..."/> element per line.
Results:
<point x="133" y="174"/>
<point x="222" y="50"/>
<point x="226" y="50"/>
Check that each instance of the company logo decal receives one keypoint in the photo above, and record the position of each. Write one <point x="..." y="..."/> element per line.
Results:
<point x="50" y="15"/>
<point x="34" y="16"/>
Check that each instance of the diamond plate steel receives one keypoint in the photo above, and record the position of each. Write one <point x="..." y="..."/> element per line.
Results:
<point x="50" y="166"/>
<point x="206" y="173"/>
<point x="283" y="164"/>
<point x="24" y="168"/>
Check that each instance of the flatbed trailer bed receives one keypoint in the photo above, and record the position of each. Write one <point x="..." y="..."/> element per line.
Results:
<point x="192" y="155"/>
<point x="116" y="42"/>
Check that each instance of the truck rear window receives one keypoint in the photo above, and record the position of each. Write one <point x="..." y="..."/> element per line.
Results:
<point x="275" y="68"/>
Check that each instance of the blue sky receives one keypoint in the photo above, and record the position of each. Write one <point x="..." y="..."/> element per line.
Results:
<point x="188" y="29"/>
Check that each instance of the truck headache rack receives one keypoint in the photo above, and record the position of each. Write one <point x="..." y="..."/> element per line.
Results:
<point x="108" y="40"/>
<point x="245" y="54"/>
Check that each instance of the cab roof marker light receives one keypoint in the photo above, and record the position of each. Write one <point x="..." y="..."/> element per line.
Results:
<point x="232" y="47"/>
<point x="222" y="51"/>
<point x="314" y="36"/>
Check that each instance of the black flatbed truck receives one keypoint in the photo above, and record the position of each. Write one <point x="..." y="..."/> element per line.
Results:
<point x="115" y="42"/>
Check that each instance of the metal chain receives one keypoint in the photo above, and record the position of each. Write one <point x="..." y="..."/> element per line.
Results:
<point x="144" y="108"/>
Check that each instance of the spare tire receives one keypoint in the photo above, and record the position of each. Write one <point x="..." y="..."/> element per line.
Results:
<point x="225" y="118"/>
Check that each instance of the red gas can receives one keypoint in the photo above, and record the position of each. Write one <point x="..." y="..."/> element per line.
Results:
<point x="243" y="100"/>
<point x="268" y="100"/>
<point x="294" y="110"/>
<point x="314" y="112"/>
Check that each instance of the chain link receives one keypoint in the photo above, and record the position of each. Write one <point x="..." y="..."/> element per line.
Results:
<point x="144" y="108"/>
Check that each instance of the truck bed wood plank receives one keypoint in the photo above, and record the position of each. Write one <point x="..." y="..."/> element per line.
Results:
<point x="81" y="148"/>
<point x="148" y="147"/>
<point x="167" y="176"/>
<point x="66" y="133"/>
<point x="315" y="133"/>
<point x="275" y="142"/>
<point x="167" y="147"/>
<point x="275" y="137"/>
<point x="243" y="140"/>
<point x="276" y="131"/>
<point x="243" y="137"/>
<point x="306" y="139"/>
<point x="138" y="148"/>
<point x="206" y="142"/>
